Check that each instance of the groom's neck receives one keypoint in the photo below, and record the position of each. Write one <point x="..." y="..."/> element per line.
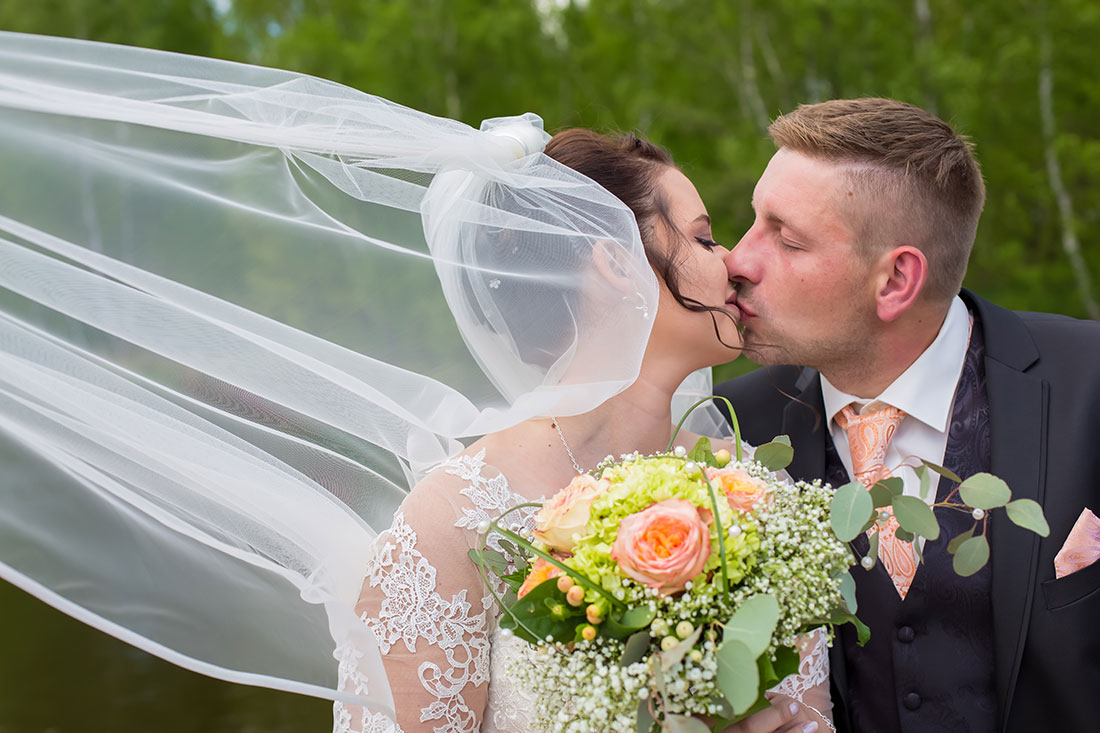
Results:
<point x="894" y="346"/>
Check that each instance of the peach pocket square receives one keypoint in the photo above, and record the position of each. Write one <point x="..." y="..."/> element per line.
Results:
<point x="1082" y="547"/>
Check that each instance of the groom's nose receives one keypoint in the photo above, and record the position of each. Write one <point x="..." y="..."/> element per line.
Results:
<point x="743" y="262"/>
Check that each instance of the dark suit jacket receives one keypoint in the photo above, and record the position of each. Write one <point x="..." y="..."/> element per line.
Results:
<point x="1043" y="383"/>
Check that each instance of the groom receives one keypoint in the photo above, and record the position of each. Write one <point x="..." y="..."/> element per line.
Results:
<point x="849" y="288"/>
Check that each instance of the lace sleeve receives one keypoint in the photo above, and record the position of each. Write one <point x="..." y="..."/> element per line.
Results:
<point x="425" y="603"/>
<point x="811" y="685"/>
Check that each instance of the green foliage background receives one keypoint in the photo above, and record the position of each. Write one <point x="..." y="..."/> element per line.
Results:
<point x="702" y="77"/>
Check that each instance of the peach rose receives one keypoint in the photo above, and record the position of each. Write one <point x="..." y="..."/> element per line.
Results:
<point x="541" y="571"/>
<point x="741" y="489"/>
<point x="565" y="514"/>
<point x="663" y="546"/>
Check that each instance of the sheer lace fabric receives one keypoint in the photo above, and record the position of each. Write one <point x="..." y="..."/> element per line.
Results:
<point x="436" y="625"/>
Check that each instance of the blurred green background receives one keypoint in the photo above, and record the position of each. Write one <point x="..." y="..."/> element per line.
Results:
<point x="703" y="78"/>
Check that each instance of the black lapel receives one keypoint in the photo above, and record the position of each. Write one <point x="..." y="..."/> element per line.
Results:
<point x="803" y="422"/>
<point x="1018" y="430"/>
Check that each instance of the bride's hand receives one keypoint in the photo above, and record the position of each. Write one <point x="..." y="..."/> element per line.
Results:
<point x="784" y="716"/>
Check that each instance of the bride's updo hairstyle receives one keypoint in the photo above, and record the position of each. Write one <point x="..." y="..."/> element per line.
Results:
<point x="630" y="168"/>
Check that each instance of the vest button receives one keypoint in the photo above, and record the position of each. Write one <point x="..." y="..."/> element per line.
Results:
<point x="906" y="634"/>
<point x="911" y="700"/>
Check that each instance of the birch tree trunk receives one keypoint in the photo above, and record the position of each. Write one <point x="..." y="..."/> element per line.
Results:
<point x="1070" y="244"/>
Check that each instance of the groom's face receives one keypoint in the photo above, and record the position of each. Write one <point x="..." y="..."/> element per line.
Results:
<point x="806" y="294"/>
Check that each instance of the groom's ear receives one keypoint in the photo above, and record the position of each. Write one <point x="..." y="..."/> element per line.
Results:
<point x="902" y="274"/>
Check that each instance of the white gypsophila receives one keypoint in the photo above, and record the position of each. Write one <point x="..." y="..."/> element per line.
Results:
<point x="584" y="690"/>
<point x="801" y="559"/>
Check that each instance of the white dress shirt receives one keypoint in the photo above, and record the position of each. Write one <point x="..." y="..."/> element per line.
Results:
<point x="925" y="392"/>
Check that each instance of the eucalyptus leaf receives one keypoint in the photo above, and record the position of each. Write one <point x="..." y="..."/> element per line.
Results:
<point x="849" y="510"/>
<point x="738" y="677"/>
<point x="775" y="455"/>
<point x="971" y="556"/>
<point x="918" y="552"/>
<point x="635" y="648"/>
<point x="684" y="724"/>
<point x="848" y="591"/>
<point x="1028" y="514"/>
<point x="645" y="720"/>
<point x="493" y="560"/>
<point x="925" y="481"/>
<point x="985" y="491"/>
<point x="942" y="471"/>
<point x="880" y="496"/>
<point x="872" y="549"/>
<point x="840" y="616"/>
<point x="753" y="623"/>
<point x="953" y="545"/>
<point x="904" y="535"/>
<point x="893" y="484"/>
<point x="916" y="516"/>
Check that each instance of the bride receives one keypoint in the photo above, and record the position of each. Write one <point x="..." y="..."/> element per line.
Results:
<point x="242" y="311"/>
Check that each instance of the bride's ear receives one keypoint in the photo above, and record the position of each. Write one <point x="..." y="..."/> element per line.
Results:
<point x="613" y="266"/>
<point x="902" y="275"/>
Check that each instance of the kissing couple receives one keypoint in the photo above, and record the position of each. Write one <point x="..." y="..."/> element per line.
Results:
<point x="521" y="306"/>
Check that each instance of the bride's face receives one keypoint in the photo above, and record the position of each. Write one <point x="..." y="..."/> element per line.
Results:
<point x="698" y="263"/>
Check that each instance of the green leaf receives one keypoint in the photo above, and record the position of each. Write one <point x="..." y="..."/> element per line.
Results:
<point x="872" y="550"/>
<point x="645" y="720"/>
<point x="635" y="648"/>
<point x="916" y="516"/>
<point x="918" y="552"/>
<point x="880" y="496"/>
<point x="904" y="535"/>
<point x="849" y="510"/>
<point x="953" y="545"/>
<point x="702" y="453"/>
<point x="738" y="676"/>
<point x="893" y="484"/>
<point x="753" y="623"/>
<point x="848" y="591"/>
<point x="942" y="471"/>
<point x="839" y="616"/>
<point x="985" y="491"/>
<point x="493" y="561"/>
<point x="775" y="455"/>
<point x="621" y="626"/>
<point x="925" y="481"/>
<point x="786" y="662"/>
<point x="673" y="656"/>
<point x="684" y="724"/>
<point x="533" y="611"/>
<point x="1028" y="514"/>
<point x="971" y="556"/>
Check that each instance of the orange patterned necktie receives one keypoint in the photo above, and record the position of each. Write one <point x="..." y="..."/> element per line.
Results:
<point x="868" y="436"/>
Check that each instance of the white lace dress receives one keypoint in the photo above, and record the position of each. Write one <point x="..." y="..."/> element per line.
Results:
<point x="436" y="624"/>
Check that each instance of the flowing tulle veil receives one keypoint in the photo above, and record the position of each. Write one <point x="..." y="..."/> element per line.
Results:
<point x="241" y="312"/>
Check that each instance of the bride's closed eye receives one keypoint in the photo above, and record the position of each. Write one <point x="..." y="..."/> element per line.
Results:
<point x="710" y="244"/>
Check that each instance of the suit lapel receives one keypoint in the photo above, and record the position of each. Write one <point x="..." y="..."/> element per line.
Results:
<point x="803" y="421"/>
<point x="1018" y="429"/>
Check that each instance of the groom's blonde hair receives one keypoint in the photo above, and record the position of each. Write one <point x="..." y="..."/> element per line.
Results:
<point x="911" y="179"/>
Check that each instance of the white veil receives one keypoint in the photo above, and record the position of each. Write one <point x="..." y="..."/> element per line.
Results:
<point x="241" y="311"/>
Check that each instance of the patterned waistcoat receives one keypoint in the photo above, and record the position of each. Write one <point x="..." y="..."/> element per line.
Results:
<point x="929" y="663"/>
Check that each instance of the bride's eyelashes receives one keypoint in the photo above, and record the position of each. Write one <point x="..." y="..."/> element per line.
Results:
<point x="710" y="244"/>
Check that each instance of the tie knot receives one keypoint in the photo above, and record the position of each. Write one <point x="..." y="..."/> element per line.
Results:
<point x="881" y="414"/>
<point x="868" y="436"/>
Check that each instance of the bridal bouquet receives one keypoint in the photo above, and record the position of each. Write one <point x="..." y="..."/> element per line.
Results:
<point x="668" y="586"/>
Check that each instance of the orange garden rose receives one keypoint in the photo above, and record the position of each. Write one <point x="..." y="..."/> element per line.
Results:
<point x="663" y="546"/>
<point x="741" y="489"/>
<point x="541" y="571"/>
<point x="565" y="514"/>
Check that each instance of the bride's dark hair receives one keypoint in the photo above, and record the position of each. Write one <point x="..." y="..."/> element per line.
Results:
<point x="630" y="167"/>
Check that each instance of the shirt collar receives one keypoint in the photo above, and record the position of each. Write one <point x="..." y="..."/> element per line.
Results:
<point x="926" y="389"/>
